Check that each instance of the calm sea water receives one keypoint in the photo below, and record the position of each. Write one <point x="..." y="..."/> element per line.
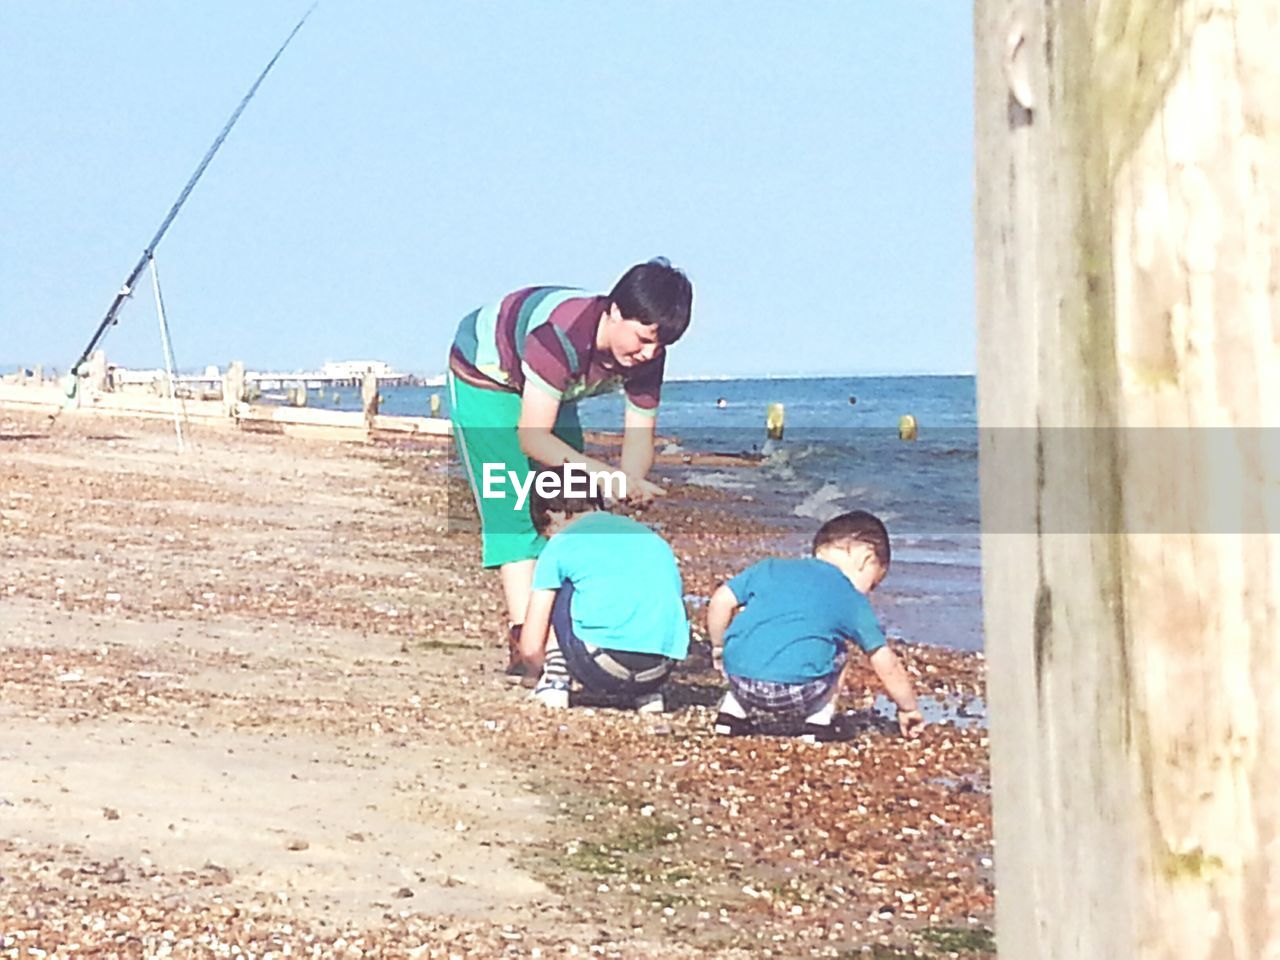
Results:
<point x="835" y="456"/>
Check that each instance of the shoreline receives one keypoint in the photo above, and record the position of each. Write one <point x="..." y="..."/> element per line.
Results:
<point x="302" y="596"/>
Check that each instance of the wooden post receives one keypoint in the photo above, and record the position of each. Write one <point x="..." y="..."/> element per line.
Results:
<point x="95" y="373"/>
<point x="233" y="387"/>
<point x="1128" y="241"/>
<point x="369" y="394"/>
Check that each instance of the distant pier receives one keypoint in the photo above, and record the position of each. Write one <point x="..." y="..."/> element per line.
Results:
<point x="349" y="373"/>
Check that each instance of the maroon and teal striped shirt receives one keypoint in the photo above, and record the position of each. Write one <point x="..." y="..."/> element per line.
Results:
<point x="547" y="336"/>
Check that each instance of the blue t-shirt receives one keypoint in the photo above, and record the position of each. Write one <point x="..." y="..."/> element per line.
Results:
<point x="627" y="590"/>
<point x="796" y="615"/>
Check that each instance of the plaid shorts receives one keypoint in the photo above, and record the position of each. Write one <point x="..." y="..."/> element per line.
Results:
<point x="767" y="696"/>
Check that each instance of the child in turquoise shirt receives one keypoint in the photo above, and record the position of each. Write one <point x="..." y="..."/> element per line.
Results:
<point x="785" y="627"/>
<point x="607" y="604"/>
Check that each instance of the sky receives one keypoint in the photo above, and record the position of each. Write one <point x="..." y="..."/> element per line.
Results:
<point x="808" y="165"/>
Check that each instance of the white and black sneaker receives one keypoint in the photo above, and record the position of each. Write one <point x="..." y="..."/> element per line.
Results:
<point x="727" y="725"/>
<point x="820" y="733"/>
<point x="651" y="702"/>
<point x="552" y="693"/>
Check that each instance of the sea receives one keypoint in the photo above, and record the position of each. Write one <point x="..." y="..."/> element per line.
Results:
<point x="840" y="451"/>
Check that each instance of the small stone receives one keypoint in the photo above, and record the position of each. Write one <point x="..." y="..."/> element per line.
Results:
<point x="296" y="843"/>
<point x="404" y="893"/>
<point x="110" y="813"/>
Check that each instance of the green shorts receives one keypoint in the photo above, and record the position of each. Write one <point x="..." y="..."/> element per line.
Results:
<point x="484" y="432"/>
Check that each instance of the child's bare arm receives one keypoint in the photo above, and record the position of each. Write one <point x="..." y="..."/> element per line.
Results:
<point x="538" y="412"/>
<point x="720" y="611"/>
<point x="537" y="622"/>
<point x="899" y="687"/>
<point x="637" y="456"/>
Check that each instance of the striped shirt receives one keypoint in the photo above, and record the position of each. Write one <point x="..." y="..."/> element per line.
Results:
<point x="547" y="336"/>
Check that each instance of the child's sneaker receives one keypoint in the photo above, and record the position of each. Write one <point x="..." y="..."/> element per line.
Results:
<point x="819" y="733"/>
<point x="727" y="725"/>
<point x="552" y="693"/>
<point x="650" y="702"/>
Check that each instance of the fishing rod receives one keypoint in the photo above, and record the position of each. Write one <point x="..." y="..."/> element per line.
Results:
<point x="126" y="290"/>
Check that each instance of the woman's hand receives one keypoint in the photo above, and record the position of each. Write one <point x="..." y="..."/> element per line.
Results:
<point x="641" y="491"/>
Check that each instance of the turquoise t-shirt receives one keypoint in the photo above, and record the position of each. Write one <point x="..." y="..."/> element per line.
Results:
<point x="796" y="615"/>
<point x="627" y="590"/>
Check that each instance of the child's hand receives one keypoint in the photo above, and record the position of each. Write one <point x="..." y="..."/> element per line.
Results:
<point x="911" y="723"/>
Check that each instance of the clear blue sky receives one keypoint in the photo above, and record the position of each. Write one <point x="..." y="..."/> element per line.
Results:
<point x="809" y="165"/>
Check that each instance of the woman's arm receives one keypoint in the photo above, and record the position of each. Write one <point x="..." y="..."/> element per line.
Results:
<point x="638" y="432"/>
<point x="538" y="411"/>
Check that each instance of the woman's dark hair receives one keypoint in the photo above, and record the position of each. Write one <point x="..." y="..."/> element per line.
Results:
<point x="655" y="293"/>
<point x="541" y="507"/>
<point x="857" y="526"/>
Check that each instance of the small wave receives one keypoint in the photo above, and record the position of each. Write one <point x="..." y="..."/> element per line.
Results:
<point x="718" y="481"/>
<point x="822" y="504"/>
<point x="780" y="471"/>
<point x="967" y="452"/>
<point x="918" y="599"/>
<point x="827" y="493"/>
<point x="798" y="454"/>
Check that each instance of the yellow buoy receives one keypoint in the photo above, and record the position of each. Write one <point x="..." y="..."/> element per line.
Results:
<point x="435" y="404"/>
<point x="773" y="421"/>
<point x="907" y="427"/>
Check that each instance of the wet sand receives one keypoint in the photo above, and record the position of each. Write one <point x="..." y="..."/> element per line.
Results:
<point x="251" y="697"/>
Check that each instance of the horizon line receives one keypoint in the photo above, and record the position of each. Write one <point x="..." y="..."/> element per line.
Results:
<point x="675" y="378"/>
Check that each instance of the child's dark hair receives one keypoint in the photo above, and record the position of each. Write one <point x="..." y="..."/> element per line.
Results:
<point x="857" y="526"/>
<point x="541" y="507"/>
<point x="655" y="293"/>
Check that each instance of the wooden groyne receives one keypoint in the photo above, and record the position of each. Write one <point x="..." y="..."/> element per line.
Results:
<point x="96" y="398"/>
<point x="48" y="397"/>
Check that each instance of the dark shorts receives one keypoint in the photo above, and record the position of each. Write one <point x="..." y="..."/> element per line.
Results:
<point x="605" y="671"/>
<point x="767" y="696"/>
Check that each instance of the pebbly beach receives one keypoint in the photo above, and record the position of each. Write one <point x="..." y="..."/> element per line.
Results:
<point x="253" y="697"/>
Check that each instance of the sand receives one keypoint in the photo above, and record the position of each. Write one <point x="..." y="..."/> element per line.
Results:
<point x="251" y="698"/>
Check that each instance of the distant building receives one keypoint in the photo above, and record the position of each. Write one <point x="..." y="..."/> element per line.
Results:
<point x="355" y="369"/>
